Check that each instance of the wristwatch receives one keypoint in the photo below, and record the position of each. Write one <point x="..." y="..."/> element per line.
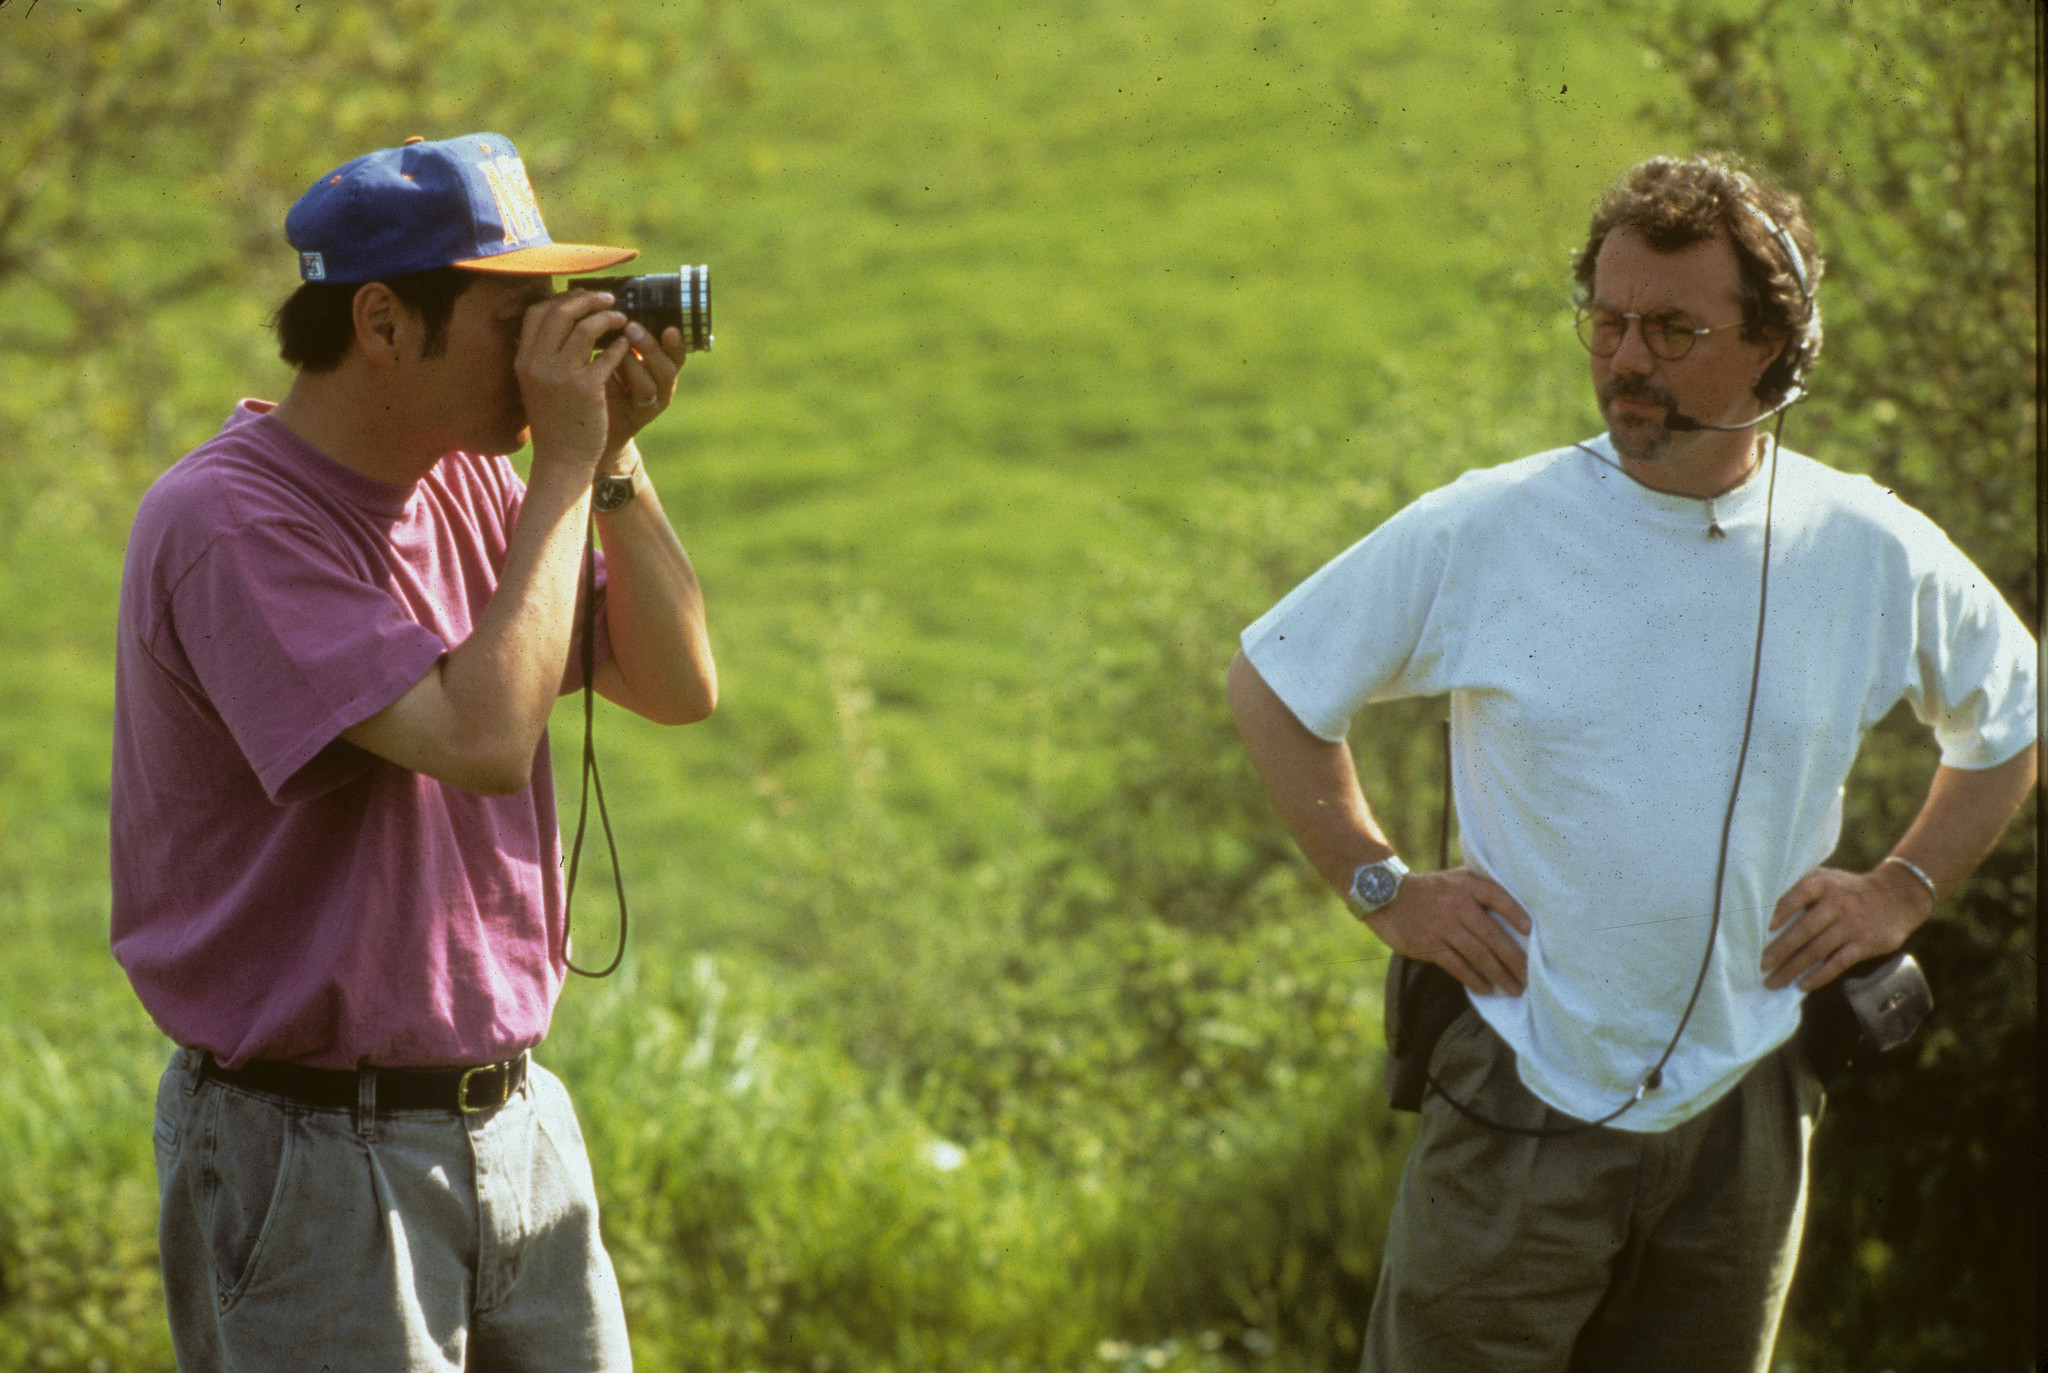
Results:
<point x="1375" y="885"/>
<point x="611" y="493"/>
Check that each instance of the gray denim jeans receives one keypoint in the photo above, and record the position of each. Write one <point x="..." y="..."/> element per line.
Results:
<point x="1607" y="1251"/>
<point x="295" y="1237"/>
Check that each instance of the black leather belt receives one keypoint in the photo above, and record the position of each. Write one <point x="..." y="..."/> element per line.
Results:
<point x="468" y="1091"/>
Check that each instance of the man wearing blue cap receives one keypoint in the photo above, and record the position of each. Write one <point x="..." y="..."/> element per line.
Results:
<point x="337" y="876"/>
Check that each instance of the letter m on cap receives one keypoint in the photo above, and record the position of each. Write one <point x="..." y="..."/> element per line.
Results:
<point x="514" y="195"/>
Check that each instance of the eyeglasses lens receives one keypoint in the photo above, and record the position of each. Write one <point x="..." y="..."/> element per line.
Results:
<point x="1603" y="330"/>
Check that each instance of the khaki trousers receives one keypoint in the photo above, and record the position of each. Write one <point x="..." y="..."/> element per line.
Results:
<point x="296" y="1238"/>
<point x="1606" y="1251"/>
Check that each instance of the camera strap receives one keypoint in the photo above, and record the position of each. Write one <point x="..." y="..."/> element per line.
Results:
<point x="592" y="780"/>
<point x="1421" y="1000"/>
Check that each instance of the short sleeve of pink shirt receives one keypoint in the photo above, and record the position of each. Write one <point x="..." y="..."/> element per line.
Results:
<point x="278" y="892"/>
<point x="292" y="646"/>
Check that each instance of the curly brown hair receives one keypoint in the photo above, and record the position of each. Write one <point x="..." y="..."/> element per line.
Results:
<point x="1676" y="202"/>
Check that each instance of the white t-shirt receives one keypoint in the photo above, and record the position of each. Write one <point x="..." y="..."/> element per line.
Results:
<point x="1597" y="645"/>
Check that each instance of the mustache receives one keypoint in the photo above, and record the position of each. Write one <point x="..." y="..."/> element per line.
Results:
<point x="1635" y="388"/>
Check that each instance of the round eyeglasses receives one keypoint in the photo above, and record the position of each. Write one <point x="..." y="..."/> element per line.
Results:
<point x="1668" y="334"/>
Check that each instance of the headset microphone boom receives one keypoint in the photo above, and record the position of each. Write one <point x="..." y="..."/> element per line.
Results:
<point x="1682" y="424"/>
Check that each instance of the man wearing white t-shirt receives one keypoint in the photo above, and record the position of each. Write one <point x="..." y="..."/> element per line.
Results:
<point x="1651" y="734"/>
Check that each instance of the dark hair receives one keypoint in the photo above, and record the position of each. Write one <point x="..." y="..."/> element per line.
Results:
<point x="1674" y="203"/>
<point x="316" y="323"/>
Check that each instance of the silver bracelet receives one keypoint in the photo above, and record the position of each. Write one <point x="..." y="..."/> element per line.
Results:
<point x="1914" y="868"/>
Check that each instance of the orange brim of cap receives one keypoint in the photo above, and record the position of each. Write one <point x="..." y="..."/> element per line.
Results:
<point x="551" y="259"/>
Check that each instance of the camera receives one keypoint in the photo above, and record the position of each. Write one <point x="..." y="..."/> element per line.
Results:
<point x="671" y="300"/>
<point x="1869" y="1010"/>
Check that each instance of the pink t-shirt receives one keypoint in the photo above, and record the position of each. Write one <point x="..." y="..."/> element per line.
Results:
<point x="278" y="892"/>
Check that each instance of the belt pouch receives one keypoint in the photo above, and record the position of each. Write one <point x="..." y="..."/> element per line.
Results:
<point x="1421" y="1002"/>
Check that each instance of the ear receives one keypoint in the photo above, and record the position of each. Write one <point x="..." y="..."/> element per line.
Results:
<point x="1774" y="346"/>
<point x="382" y="325"/>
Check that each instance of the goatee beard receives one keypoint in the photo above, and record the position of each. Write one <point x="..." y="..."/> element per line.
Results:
<point x="1633" y="437"/>
<point x="1640" y="443"/>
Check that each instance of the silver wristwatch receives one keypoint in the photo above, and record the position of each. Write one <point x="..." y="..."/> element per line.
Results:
<point x="1375" y="885"/>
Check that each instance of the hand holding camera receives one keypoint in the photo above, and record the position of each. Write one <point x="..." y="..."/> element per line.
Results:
<point x="668" y="317"/>
<point x="564" y="376"/>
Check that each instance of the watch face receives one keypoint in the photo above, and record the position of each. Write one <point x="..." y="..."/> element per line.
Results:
<point x="1376" y="885"/>
<point x="612" y="492"/>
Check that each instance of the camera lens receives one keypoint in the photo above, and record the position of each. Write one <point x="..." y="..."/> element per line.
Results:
<point x="679" y="300"/>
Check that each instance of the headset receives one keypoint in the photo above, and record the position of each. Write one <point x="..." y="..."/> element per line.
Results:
<point x="1803" y="344"/>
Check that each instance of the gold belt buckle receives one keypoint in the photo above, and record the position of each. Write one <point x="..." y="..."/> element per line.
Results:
<point x="504" y="1094"/>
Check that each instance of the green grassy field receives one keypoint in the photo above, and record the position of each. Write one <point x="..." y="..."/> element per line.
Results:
<point x="1054" y="340"/>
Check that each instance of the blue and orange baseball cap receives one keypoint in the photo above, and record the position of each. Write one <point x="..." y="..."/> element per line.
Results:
<point x="461" y="202"/>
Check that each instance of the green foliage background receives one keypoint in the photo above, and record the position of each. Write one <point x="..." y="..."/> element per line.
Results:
<point x="978" y="1014"/>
